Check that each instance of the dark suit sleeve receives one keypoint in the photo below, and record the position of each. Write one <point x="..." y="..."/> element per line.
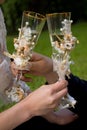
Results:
<point x="77" y="88"/>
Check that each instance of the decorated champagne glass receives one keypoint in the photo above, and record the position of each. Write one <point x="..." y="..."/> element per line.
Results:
<point x="62" y="42"/>
<point x="31" y="27"/>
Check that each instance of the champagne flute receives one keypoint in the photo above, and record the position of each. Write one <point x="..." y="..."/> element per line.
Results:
<point x="62" y="42"/>
<point x="31" y="27"/>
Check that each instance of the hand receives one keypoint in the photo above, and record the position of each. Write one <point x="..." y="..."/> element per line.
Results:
<point x="46" y="98"/>
<point x="39" y="65"/>
<point x="16" y="71"/>
<point x="62" y="117"/>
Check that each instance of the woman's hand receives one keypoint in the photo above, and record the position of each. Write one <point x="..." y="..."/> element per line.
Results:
<point x="62" y="117"/>
<point x="39" y="65"/>
<point x="46" y="98"/>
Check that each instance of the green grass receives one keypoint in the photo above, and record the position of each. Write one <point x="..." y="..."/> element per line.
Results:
<point x="78" y="55"/>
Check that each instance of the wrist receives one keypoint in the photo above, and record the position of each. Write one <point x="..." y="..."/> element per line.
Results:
<point x="26" y="110"/>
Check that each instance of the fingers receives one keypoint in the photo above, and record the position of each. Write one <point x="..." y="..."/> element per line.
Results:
<point x="58" y="86"/>
<point x="20" y="74"/>
<point x="56" y="92"/>
<point x="61" y="93"/>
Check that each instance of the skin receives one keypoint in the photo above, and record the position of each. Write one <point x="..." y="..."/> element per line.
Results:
<point x="2" y="1"/>
<point x="40" y="102"/>
<point x="41" y="65"/>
